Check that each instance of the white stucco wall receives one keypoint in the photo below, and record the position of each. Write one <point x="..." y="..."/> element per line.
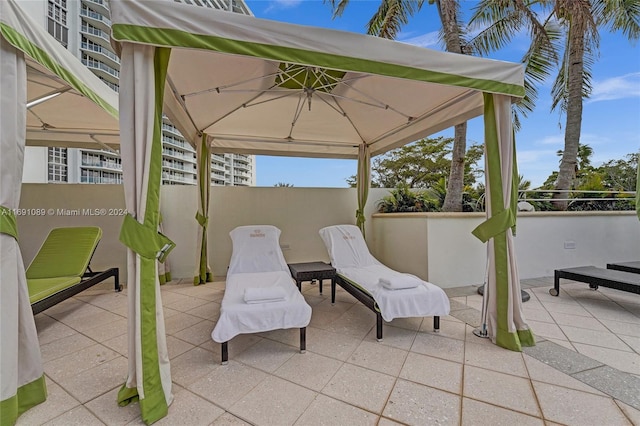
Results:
<point x="438" y="247"/>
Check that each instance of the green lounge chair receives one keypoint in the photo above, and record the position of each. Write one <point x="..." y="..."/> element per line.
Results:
<point x="61" y="267"/>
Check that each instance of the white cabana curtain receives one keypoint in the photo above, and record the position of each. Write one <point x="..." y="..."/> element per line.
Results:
<point x="22" y="382"/>
<point x="506" y="325"/>
<point x="203" y="154"/>
<point x="362" y="183"/>
<point x="141" y="91"/>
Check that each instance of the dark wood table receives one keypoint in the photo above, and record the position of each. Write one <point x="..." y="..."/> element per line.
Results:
<point x="310" y="271"/>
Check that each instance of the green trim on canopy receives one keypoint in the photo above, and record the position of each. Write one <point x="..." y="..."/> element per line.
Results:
<point x="43" y="58"/>
<point x="26" y="397"/>
<point x="8" y="224"/>
<point x="499" y="229"/>
<point x="204" y="186"/>
<point x="177" y="38"/>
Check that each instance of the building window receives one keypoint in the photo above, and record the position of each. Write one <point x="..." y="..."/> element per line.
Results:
<point x="57" y="21"/>
<point x="57" y="169"/>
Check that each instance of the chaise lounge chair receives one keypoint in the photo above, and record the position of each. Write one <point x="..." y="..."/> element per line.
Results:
<point x="61" y="269"/>
<point x="388" y="293"/>
<point x="596" y="277"/>
<point x="260" y="294"/>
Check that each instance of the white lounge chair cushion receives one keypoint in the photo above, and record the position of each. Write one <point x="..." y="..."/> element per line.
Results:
<point x="238" y="317"/>
<point x="256" y="248"/>
<point x="351" y="257"/>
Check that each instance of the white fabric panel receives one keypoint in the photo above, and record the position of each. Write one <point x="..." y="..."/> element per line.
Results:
<point x="239" y="317"/>
<point x="20" y="359"/>
<point x="69" y="119"/>
<point x="137" y="95"/>
<point x="350" y="256"/>
<point x="256" y="248"/>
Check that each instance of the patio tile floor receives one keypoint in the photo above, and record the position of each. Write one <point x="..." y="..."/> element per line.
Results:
<point x="585" y="368"/>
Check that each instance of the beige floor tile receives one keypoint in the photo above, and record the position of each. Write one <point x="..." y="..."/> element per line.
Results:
<point x="58" y="401"/>
<point x="578" y="321"/>
<point x="119" y="344"/>
<point x="325" y="411"/>
<point x="77" y="416"/>
<point x="452" y="329"/>
<point x="310" y="370"/>
<point x="439" y="347"/>
<point x="572" y="407"/>
<point x="479" y="413"/>
<point x="622" y="360"/>
<point x="64" y="346"/>
<point x="226" y="384"/>
<point x="176" y="346"/>
<point x="196" y="334"/>
<point x="504" y="390"/>
<point x="289" y="336"/>
<point x="546" y="330"/>
<point x="388" y="422"/>
<point x="267" y="355"/>
<point x="633" y="414"/>
<point x="228" y="419"/>
<point x="361" y="387"/>
<point x="608" y="310"/>
<point x="186" y="303"/>
<point x="79" y="361"/>
<point x="208" y="311"/>
<point x="50" y="329"/>
<point x="495" y="358"/>
<point x="236" y="346"/>
<point x="633" y="342"/>
<point x="330" y="344"/>
<point x="273" y="402"/>
<point x="564" y="343"/>
<point x="106" y="408"/>
<point x="592" y="337"/>
<point x="108" y="330"/>
<point x="623" y="328"/>
<point x="356" y="322"/>
<point x="416" y="404"/>
<point x="566" y="308"/>
<point x="180" y="321"/>
<point x="377" y="357"/>
<point x="413" y="323"/>
<point x="434" y="372"/>
<point x="92" y="320"/>
<point x="400" y="338"/>
<point x="190" y="409"/>
<point x="539" y="315"/>
<point x="97" y="380"/>
<point x="541" y="372"/>
<point x="193" y="365"/>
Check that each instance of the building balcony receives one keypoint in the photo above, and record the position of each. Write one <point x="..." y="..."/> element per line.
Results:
<point x="101" y="53"/>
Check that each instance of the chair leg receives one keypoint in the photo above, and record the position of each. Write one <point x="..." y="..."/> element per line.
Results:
<point x="378" y="327"/>
<point x="436" y="324"/>
<point x="333" y="291"/>
<point x="225" y="353"/>
<point x="303" y="340"/>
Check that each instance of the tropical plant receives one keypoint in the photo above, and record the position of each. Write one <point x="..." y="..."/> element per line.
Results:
<point x="403" y="199"/>
<point x="566" y="35"/>
<point x="283" y="185"/>
<point x="387" y="22"/>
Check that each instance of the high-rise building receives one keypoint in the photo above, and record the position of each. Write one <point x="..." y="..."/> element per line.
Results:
<point x="83" y="27"/>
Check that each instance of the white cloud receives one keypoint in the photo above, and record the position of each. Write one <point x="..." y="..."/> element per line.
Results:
<point x="552" y="140"/>
<point x="624" y="86"/>
<point x="282" y="4"/>
<point x="430" y="40"/>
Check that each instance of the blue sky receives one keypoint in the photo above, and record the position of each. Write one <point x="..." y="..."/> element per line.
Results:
<point x="611" y="117"/>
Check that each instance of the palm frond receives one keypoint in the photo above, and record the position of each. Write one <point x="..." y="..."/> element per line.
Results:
<point x="619" y="15"/>
<point x="391" y="16"/>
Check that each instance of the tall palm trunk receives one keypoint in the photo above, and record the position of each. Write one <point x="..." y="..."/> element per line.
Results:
<point x="448" y="10"/>
<point x="575" y="83"/>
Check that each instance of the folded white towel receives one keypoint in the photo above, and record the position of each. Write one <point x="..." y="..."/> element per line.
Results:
<point x="264" y="295"/>
<point x="400" y="282"/>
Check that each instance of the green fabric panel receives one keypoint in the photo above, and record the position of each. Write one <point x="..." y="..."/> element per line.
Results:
<point x="39" y="288"/>
<point x="204" y="186"/>
<point x="65" y="253"/>
<point x="127" y="395"/>
<point x="144" y="239"/>
<point x="515" y="178"/>
<point x="494" y="176"/>
<point x="26" y="397"/>
<point x="362" y="185"/>
<point x="176" y="38"/>
<point x="495" y="225"/>
<point x="20" y="42"/>
<point x="301" y="77"/>
<point x="153" y="406"/>
<point x="8" y="224"/>
<point x="527" y="338"/>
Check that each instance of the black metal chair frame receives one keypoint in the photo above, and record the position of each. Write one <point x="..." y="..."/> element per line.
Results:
<point x="619" y="280"/>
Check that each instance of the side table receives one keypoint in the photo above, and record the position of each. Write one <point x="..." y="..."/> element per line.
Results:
<point x="310" y="271"/>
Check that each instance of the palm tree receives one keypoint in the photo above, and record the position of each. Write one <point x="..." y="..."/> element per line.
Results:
<point x="579" y="22"/>
<point x="386" y="23"/>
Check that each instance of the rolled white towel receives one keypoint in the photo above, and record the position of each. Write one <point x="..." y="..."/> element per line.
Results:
<point x="400" y="282"/>
<point x="264" y="295"/>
